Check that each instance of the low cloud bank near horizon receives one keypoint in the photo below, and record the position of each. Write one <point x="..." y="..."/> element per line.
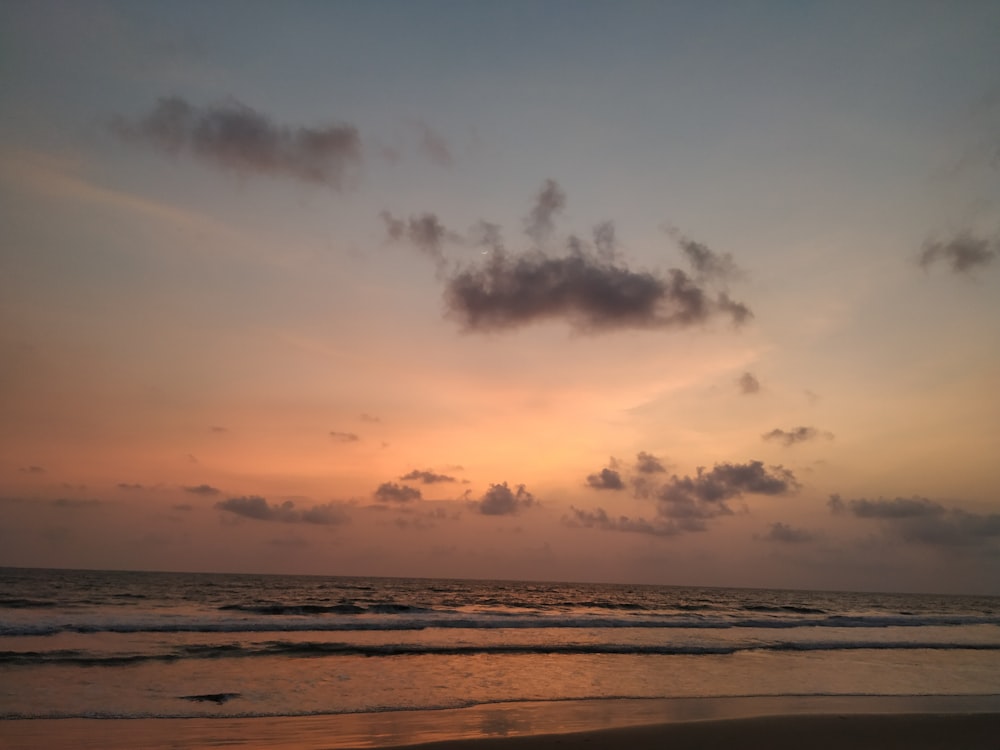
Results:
<point x="922" y="520"/>
<point x="259" y="509"/>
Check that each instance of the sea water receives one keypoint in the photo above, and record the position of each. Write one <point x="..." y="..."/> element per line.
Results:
<point x="137" y="644"/>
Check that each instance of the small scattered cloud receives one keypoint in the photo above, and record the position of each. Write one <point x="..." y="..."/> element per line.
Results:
<point x="748" y="384"/>
<point x="201" y="489"/>
<point x="963" y="253"/>
<point x="390" y="492"/>
<point x="899" y="507"/>
<point x="235" y="137"/>
<point x="344" y="437"/>
<point x="218" y="429"/>
<point x="795" y="435"/>
<point x="782" y="532"/>
<point x="427" y="477"/>
<point x="606" y="479"/>
<point x="259" y="509"/>
<point x="369" y="418"/>
<point x="128" y="486"/>
<point x="647" y="463"/>
<point x="31" y="470"/>
<point x="501" y="500"/>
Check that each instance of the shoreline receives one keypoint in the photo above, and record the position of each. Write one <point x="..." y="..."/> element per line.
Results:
<point x="767" y="721"/>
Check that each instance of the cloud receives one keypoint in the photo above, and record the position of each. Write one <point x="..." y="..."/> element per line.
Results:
<point x="592" y="295"/>
<point x="258" y="508"/>
<point x="369" y="418"/>
<point x="924" y="521"/>
<point x="795" y="435"/>
<point x="748" y="384"/>
<point x="390" y="492"/>
<point x="501" y="500"/>
<point x="706" y="263"/>
<point x="31" y="470"/>
<point x="427" y="477"/>
<point x="218" y="429"/>
<point x="434" y="146"/>
<point x="127" y="486"/>
<point x="236" y="137"/>
<point x="344" y="437"/>
<point x="647" y="463"/>
<point x="201" y="489"/>
<point x="782" y="532"/>
<point x="599" y="519"/>
<point x="607" y="479"/>
<point x="964" y="252"/>
<point x="182" y="506"/>
<point x="591" y="288"/>
<point x="425" y="232"/>
<point x="687" y="503"/>
<point x="538" y="225"/>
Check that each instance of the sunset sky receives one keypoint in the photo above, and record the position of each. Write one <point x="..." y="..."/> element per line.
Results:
<point x="665" y="292"/>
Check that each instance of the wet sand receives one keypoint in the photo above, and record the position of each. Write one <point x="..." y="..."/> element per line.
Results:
<point x="926" y="723"/>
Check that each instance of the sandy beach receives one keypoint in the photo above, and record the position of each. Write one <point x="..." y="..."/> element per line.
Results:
<point x="773" y="723"/>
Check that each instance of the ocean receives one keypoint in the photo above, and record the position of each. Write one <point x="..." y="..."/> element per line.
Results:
<point x="112" y="644"/>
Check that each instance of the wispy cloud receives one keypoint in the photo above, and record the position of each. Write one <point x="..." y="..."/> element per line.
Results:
<point x="782" y="532"/>
<point x="748" y="384"/>
<point x="795" y="435"/>
<point x="963" y="253"/>
<point x="201" y="489"/>
<point x="427" y="477"/>
<point x="258" y="508"/>
<point x="236" y="137"/>
<point x="344" y="437"/>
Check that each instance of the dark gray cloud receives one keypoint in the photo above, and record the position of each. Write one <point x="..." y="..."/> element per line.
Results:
<point x="964" y="252"/>
<point x="748" y="384"/>
<point x="924" y="521"/>
<point x="202" y="489"/>
<point x="390" y="492"/>
<point x="258" y="508"/>
<point x="782" y="532"/>
<point x="647" y="463"/>
<point x="427" y="477"/>
<point x="344" y="437"/>
<point x="606" y="479"/>
<point x="795" y="435"/>
<point x="599" y="519"/>
<point x="31" y="470"/>
<point x="501" y="500"/>
<point x="511" y="291"/>
<point x="539" y="224"/>
<point x="590" y="287"/>
<point x="686" y="504"/>
<point x="236" y="137"/>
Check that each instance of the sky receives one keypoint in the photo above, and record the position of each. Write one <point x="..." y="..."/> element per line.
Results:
<point x="651" y="292"/>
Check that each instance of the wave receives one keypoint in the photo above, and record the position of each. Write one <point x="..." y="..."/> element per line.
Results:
<point x="409" y="621"/>
<point x="324" y="649"/>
